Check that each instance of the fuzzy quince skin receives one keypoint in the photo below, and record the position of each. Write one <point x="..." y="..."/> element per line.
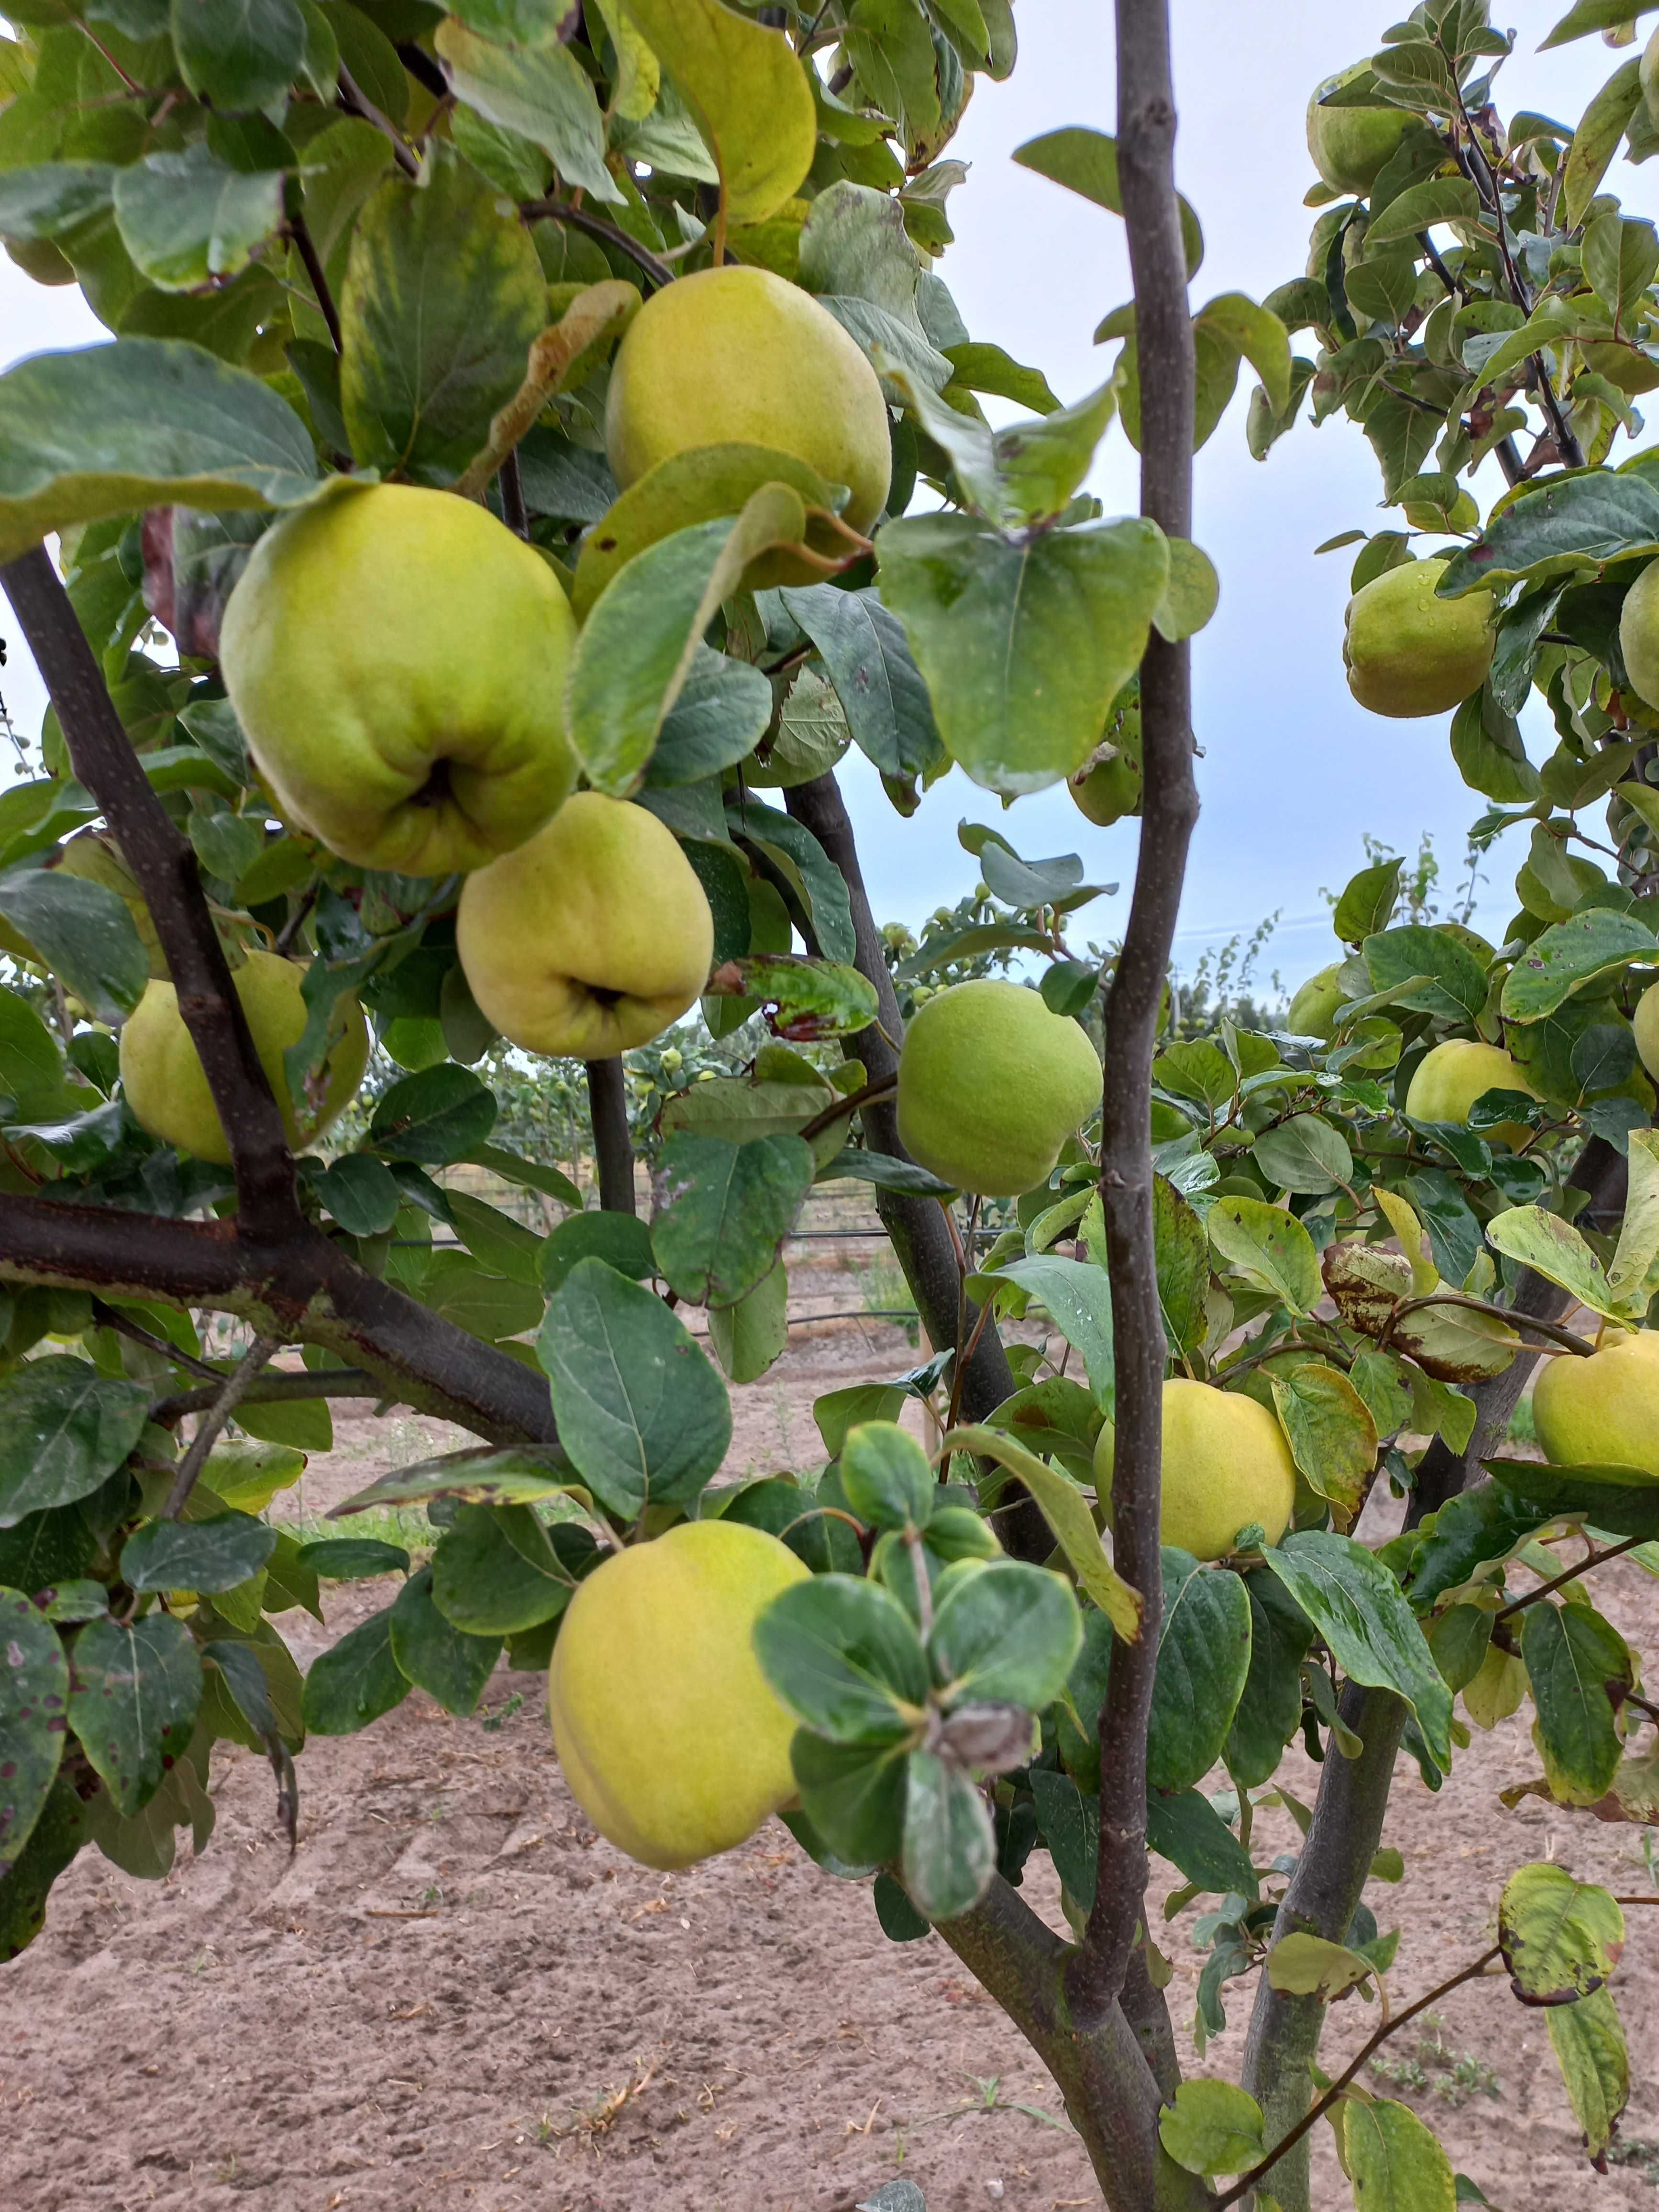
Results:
<point x="991" y="1084"/>
<point x="1448" y="1080"/>
<point x="590" y="938"/>
<point x="1602" y="1410"/>
<point x="166" y="1087"/>
<point x="1225" y="1464"/>
<point x="669" y="1733"/>
<point x="739" y="357"/>
<point x="1408" y="654"/>
<point x="397" y="659"/>
<point x="1350" y="145"/>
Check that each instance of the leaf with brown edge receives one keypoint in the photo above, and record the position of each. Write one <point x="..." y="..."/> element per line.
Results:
<point x="1560" y="1937"/>
<point x="1365" y="1284"/>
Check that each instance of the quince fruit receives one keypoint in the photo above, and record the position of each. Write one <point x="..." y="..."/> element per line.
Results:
<point x="1638" y="630"/>
<point x="1645" y="1020"/>
<point x="1350" y="145"/>
<point x="166" y="1086"/>
<point x="591" y="937"/>
<point x="1602" y="1410"/>
<point x="397" y="659"/>
<point x="1225" y="1464"/>
<point x="991" y="1084"/>
<point x="670" y="1736"/>
<point x="738" y="356"/>
<point x="1408" y="654"/>
<point x="1448" y="1080"/>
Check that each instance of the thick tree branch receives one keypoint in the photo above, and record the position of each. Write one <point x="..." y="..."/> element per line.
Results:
<point x="161" y="860"/>
<point x="613" y="1145"/>
<point x="1163" y="336"/>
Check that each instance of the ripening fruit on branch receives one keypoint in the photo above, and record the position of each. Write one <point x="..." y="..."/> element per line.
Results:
<point x="1645" y="1020"/>
<point x="1602" y="1410"/>
<point x="1313" y="1010"/>
<point x="738" y="356"/>
<point x="1448" y="1080"/>
<point x="591" y="937"/>
<point x="1225" y="1464"/>
<point x="397" y="659"/>
<point x="166" y="1086"/>
<point x="670" y="1736"/>
<point x="1408" y="654"/>
<point x="991" y="1084"/>
<point x="1350" y="145"/>
<point x="1639" y="630"/>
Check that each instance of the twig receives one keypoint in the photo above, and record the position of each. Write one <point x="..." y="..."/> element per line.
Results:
<point x="1246" y="2182"/>
<point x="1146" y="138"/>
<point x="232" y="1391"/>
<point x="1569" y="1575"/>
<point x="300" y="231"/>
<point x="594" y="226"/>
<point x="1564" y="1337"/>
<point x="513" y="510"/>
<point x="296" y="921"/>
<point x="613" y="1142"/>
<point x="123" y="1325"/>
<point x="353" y="96"/>
<point x="275" y="1390"/>
<point x="883" y="1087"/>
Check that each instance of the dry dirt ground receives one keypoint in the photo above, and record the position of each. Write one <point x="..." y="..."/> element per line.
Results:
<point x="455" y="1998"/>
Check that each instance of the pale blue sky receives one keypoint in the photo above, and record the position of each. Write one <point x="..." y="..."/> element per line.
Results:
<point x="1293" y="771"/>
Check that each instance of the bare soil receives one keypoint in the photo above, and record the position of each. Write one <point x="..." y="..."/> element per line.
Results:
<point x="456" y="1998"/>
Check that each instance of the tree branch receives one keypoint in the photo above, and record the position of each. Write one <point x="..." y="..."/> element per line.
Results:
<point x="594" y="226"/>
<point x="161" y="860"/>
<point x="613" y="1145"/>
<point x="1569" y="1575"/>
<point x="229" y="1394"/>
<point x="277" y="1389"/>
<point x="1145" y="139"/>
<point x="300" y="231"/>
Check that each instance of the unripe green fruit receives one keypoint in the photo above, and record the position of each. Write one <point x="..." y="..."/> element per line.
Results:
<point x="670" y="1736"/>
<point x="1448" y="1080"/>
<point x="991" y="1084"/>
<point x="1638" y="632"/>
<point x="738" y="356"/>
<point x="1645" y="1022"/>
<point x="1408" y="654"/>
<point x="1225" y="1463"/>
<point x="166" y="1087"/>
<point x="397" y="659"/>
<point x="1108" y="791"/>
<point x="1313" y="1010"/>
<point x="592" y="938"/>
<point x="1602" y="1410"/>
<point x="1350" y="145"/>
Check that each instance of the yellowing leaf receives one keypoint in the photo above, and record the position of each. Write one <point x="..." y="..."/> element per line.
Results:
<point x="1066" y="1511"/>
<point x="1413" y="1239"/>
<point x="749" y="92"/>
<point x="1392" y="2161"/>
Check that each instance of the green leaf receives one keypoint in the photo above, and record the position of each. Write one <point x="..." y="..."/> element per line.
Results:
<point x="837" y="1412"/>
<point x="1302" y="1965"/>
<point x="1571" y="955"/>
<point x="749" y="93"/>
<point x="720" y="715"/>
<point x="1392" y="2160"/>
<point x="63" y="1427"/>
<point x="188" y="219"/>
<point x="1564" y="528"/>
<point x="1305" y="1154"/>
<point x="541" y="92"/>
<point x="619" y="1239"/>
<point x="1554" y="1249"/>
<point x="1187" y="1830"/>
<point x="142" y="422"/>
<point x="1066" y="1509"/>
<point x="31" y="1069"/>
<point x="1181" y="1252"/>
<point x="888" y="1479"/>
<point x="1191" y="596"/>
<point x="982" y="368"/>
<point x="1213" y="2127"/>
<point x="491" y="1306"/>
<point x="532" y="1175"/>
<point x="1078" y="1298"/>
<point x="442" y="1114"/>
<point x="1368" y="903"/>
<point x="1256" y="333"/>
<point x="1070" y="1823"/>
<point x="1588" y="2042"/>
<point x="1619" y="1499"/>
<point x="1420" y="207"/>
<point x="842" y="1654"/>
<point x="950" y="1847"/>
<point x="33" y="1698"/>
<point x="1203" y="1657"/>
<point x="497" y="1572"/>
<point x="811" y="999"/>
<point x="84" y="931"/>
<point x="1024" y="646"/>
<point x="361" y="1194"/>
<point x="443" y="294"/>
<point x="208" y="1556"/>
<point x="1085" y="162"/>
<point x="353" y="1559"/>
<point x="1015" y="478"/>
<point x="886" y="1172"/>
<point x="641" y="1411"/>
<point x="1270" y="1706"/>
<point x="41" y="199"/>
<point x="880" y="688"/>
<point x="748" y="1336"/>
<point x="355" y="1682"/>
<point x="1332" y="1436"/>
<point x="1456" y="984"/>
<point x="1269" y="1247"/>
<point x="853" y="1796"/>
<point x="495" y="1240"/>
<point x="133" y="1695"/>
<point x="239" y="54"/>
<point x="1358" y="1606"/>
<point x="58" y="1834"/>
<point x="438" y="1658"/>
<point x="1560" y="1937"/>
<point x="1571" y="1654"/>
<point x="1638" y="1235"/>
<point x="1595" y="141"/>
<point x="1587" y="16"/>
<point x="1006" y="1635"/>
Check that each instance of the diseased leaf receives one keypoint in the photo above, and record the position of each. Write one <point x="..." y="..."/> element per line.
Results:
<point x="1203" y="1657"/>
<point x="34" y="1704"/>
<point x="1561" y="1938"/>
<point x="133" y="1694"/>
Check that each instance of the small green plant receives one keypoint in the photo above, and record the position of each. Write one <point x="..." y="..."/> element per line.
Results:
<point x="1638" y="2151"/>
<point x="1454" y="2076"/>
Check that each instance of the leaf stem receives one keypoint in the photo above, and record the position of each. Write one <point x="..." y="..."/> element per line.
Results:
<point x="1568" y="1575"/>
